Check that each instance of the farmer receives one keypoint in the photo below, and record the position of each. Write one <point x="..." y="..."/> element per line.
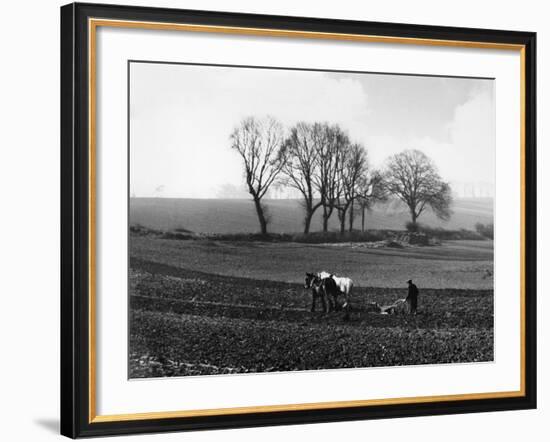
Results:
<point x="412" y="298"/>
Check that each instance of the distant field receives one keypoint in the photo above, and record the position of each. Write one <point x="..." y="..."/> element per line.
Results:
<point x="454" y="264"/>
<point x="238" y="215"/>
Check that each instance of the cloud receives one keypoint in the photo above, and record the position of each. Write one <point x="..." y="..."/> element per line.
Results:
<point x="467" y="152"/>
<point x="182" y="117"/>
<point x="469" y="156"/>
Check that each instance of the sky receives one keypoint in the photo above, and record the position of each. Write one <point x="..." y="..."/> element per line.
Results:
<point x="181" y="117"/>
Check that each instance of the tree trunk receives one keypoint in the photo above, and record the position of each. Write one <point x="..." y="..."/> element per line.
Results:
<point x="342" y="216"/>
<point x="307" y="220"/>
<point x="326" y="216"/>
<point x="351" y="217"/>
<point x="261" y="216"/>
<point x="362" y="219"/>
<point x="413" y="219"/>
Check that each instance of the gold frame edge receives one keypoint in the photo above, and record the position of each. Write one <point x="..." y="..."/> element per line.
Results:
<point x="93" y="23"/>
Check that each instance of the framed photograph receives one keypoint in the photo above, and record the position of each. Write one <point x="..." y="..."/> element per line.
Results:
<point x="274" y="220"/>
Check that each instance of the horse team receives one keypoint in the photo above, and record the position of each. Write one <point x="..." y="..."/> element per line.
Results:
<point x="328" y="288"/>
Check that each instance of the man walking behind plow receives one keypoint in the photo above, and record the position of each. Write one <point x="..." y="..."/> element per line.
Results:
<point x="412" y="297"/>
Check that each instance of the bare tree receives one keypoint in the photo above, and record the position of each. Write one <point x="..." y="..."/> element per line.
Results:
<point x="371" y="190"/>
<point x="260" y="145"/>
<point x="353" y="165"/>
<point x="413" y="178"/>
<point x="330" y="142"/>
<point x="302" y="165"/>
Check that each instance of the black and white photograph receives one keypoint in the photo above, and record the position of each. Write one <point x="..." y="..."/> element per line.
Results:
<point x="275" y="221"/>
<point x="288" y="220"/>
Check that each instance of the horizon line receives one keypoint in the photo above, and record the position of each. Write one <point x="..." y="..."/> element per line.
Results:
<point x="265" y="198"/>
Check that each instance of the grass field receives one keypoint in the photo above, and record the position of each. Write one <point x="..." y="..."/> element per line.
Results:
<point x="454" y="264"/>
<point x="212" y="307"/>
<point x="238" y="215"/>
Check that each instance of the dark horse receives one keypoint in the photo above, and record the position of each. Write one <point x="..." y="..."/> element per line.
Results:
<point x="326" y="286"/>
<point x="323" y="287"/>
<point x="318" y="290"/>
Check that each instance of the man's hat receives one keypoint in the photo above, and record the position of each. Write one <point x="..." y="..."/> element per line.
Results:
<point x="410" y="281"/>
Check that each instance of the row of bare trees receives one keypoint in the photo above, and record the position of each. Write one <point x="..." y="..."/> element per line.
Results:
<point x="332" y="173"/>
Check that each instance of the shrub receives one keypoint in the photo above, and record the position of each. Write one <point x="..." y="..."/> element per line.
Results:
<point x="486" y="230"/>
<point x="443" y="234"/>
<point x="177" y="235"/>
<point x="273" y="237"/>
<point x="140" y="230"/>
<point x="440" y="233"/>
<point x="182" y="230"/>
<point x="337" y="237"/>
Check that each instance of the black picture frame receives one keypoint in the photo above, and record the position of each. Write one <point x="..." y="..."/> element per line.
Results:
<point x="75" y="220"/>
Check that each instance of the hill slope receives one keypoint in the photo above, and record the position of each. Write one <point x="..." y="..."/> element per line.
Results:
<point x="238" y="215"/>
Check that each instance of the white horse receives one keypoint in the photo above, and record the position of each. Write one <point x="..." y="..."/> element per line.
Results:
<point x="339" y="286"/>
